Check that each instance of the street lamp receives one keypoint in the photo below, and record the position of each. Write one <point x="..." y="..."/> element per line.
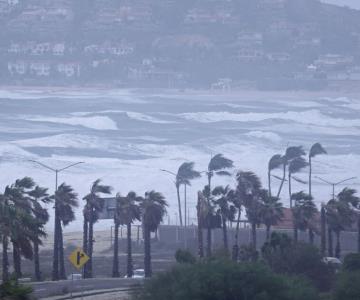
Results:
<point x="57" y="171"/>
<point x="333" y="184"/>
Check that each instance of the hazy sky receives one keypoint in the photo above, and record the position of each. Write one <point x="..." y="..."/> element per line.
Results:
<point x="350" y="3"/>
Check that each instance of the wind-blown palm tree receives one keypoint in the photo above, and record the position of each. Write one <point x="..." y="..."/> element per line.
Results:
<point x="315" y="150"/>
<point x="272" y="214"/>
<point x="94" y="205"/>
<point x="295" y="166"/>
<point x="39" y="197"/>
<point x="21" y="242"/>
<point x="290" y="154"/>
<point x="303" y="211"/>
<point x="341" y="214"/>
<point x="275" y="162"/>
<point x="184" y="176"/>
<point x="127" y="211"/>
<point x="218" y="165"/>
<point x="153" y="209"/>
<point x="202" y="212"/>
<point x="250" y="190"/>
<point x="223" y="199"/>
<point x="66" y="200"/>
<point x="18" y="225"/>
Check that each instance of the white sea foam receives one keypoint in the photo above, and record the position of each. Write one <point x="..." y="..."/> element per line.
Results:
<point x="270" y="136"/>
<point x="311" y="117"/>
<point x="95" y="122"/>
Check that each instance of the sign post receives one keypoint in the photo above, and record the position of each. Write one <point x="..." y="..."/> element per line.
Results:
<point x="78" y="258"/>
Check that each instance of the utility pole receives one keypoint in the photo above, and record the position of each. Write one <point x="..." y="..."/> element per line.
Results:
<point x="334" y="184"/>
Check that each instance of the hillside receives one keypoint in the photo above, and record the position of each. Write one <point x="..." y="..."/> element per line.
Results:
<point x="171" y="43"/>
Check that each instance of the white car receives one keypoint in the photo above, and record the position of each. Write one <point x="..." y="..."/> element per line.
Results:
<point x="74" y="276"/>
<point x="332" y="261"/>
<point x="138" y="274"/>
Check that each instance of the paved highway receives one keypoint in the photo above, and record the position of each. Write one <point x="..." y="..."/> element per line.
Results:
<point x="52" y="288"/>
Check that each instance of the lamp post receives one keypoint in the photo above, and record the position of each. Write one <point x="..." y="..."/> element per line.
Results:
<point x="334" y="184"/>
<point x="55" y="271"/>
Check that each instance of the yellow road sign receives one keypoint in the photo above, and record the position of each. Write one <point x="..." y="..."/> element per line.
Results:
<point x="78" y="258"/>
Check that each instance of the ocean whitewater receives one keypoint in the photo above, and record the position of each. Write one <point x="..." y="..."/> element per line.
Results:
<point x="125" y="137"/>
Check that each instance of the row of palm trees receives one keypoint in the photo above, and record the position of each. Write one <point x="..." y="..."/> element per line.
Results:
<point x="216" y="207"/>
<point x="23" y="216"/>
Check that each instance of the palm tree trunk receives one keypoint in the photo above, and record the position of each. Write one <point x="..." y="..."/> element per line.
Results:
<point x="200" y="241"/>
<point x="5" y="258"/>
<point x="90" y="244"/>
<point x="200" y="229"/>
<point x="62" y="272"/>
<point x="115" y="272"/>
<point x="147" y="252"/>
<point x="338" y="246"/>
<point x="282" y="181"/>
<point x="269" y="181"/>
<point x="358" y="234"/>
<point x="323" y="231"/>
<point x="311" y="236"/>
<point x="179" y="204"/>
<point x="330" y="239"/>
<point x="17" y="260"/>
<point x="310" y="175"/>
<point x="290" y="192"/>
<point x="55" y="267"/>
<point x="296" y="234"/>
<point x="37" y="262"/>
<point x="235" y="252"/>
<point x="225" y="236"/>
<point x="208" y="240"/>
<point x="268" y="227"/>
<point x="85" y="242"/>
<point x="129" y="268"/>
<point x="253" y="236"/>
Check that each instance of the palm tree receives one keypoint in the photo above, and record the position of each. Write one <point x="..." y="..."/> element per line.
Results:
<point x="290" y="154"/>
<point x="323" y="229"/>
<point x="341" y="214"/>
<point x="249" y="188"/>
<point x="39" y="197"/>
<point x="17" y="195"/>
<point x="238" y="203"/>
<point x="223" y="198"/>
<point x="272" y="214"/>
<point x="127" y="211"/>
<point x="303" y="211"/>
<point x="217" y="166"/>
<point x="66" y="200"/>
<point x="315" y="150"/>
<point x="274" y="163"/>
<point x="185" y="174"/>
<point x="201" y="209"/>
<point x="295" y="166"/>
<point x="18" y="225"/>
<point x="153" y="209"/>
<point x="94" y="205"/>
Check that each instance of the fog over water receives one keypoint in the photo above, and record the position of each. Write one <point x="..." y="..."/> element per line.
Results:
<point x="126" y="137"/>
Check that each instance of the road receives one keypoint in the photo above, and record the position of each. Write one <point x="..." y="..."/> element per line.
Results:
<point x="52" y="288"/>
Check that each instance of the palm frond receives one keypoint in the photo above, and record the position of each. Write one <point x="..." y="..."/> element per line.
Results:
<point x="294" y="152"/>
<point x="275" y="162"/>
<point x="219" y="162"/>
<point x="317" y="149"/>
<point x="297" y="164"/>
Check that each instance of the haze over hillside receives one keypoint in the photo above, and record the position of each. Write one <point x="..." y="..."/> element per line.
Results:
<point x="351" y="3"/>
<point x="264" y="44"/>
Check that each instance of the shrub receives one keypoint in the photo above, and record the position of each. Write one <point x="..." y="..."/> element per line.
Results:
<point x="184" y="257"/>
<point x="285" y="257"/>
<point x="352" y="262"/>
<point x="12" y="290"/>
<point x="224" y="279"/>
<point x="348" y="286"/>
